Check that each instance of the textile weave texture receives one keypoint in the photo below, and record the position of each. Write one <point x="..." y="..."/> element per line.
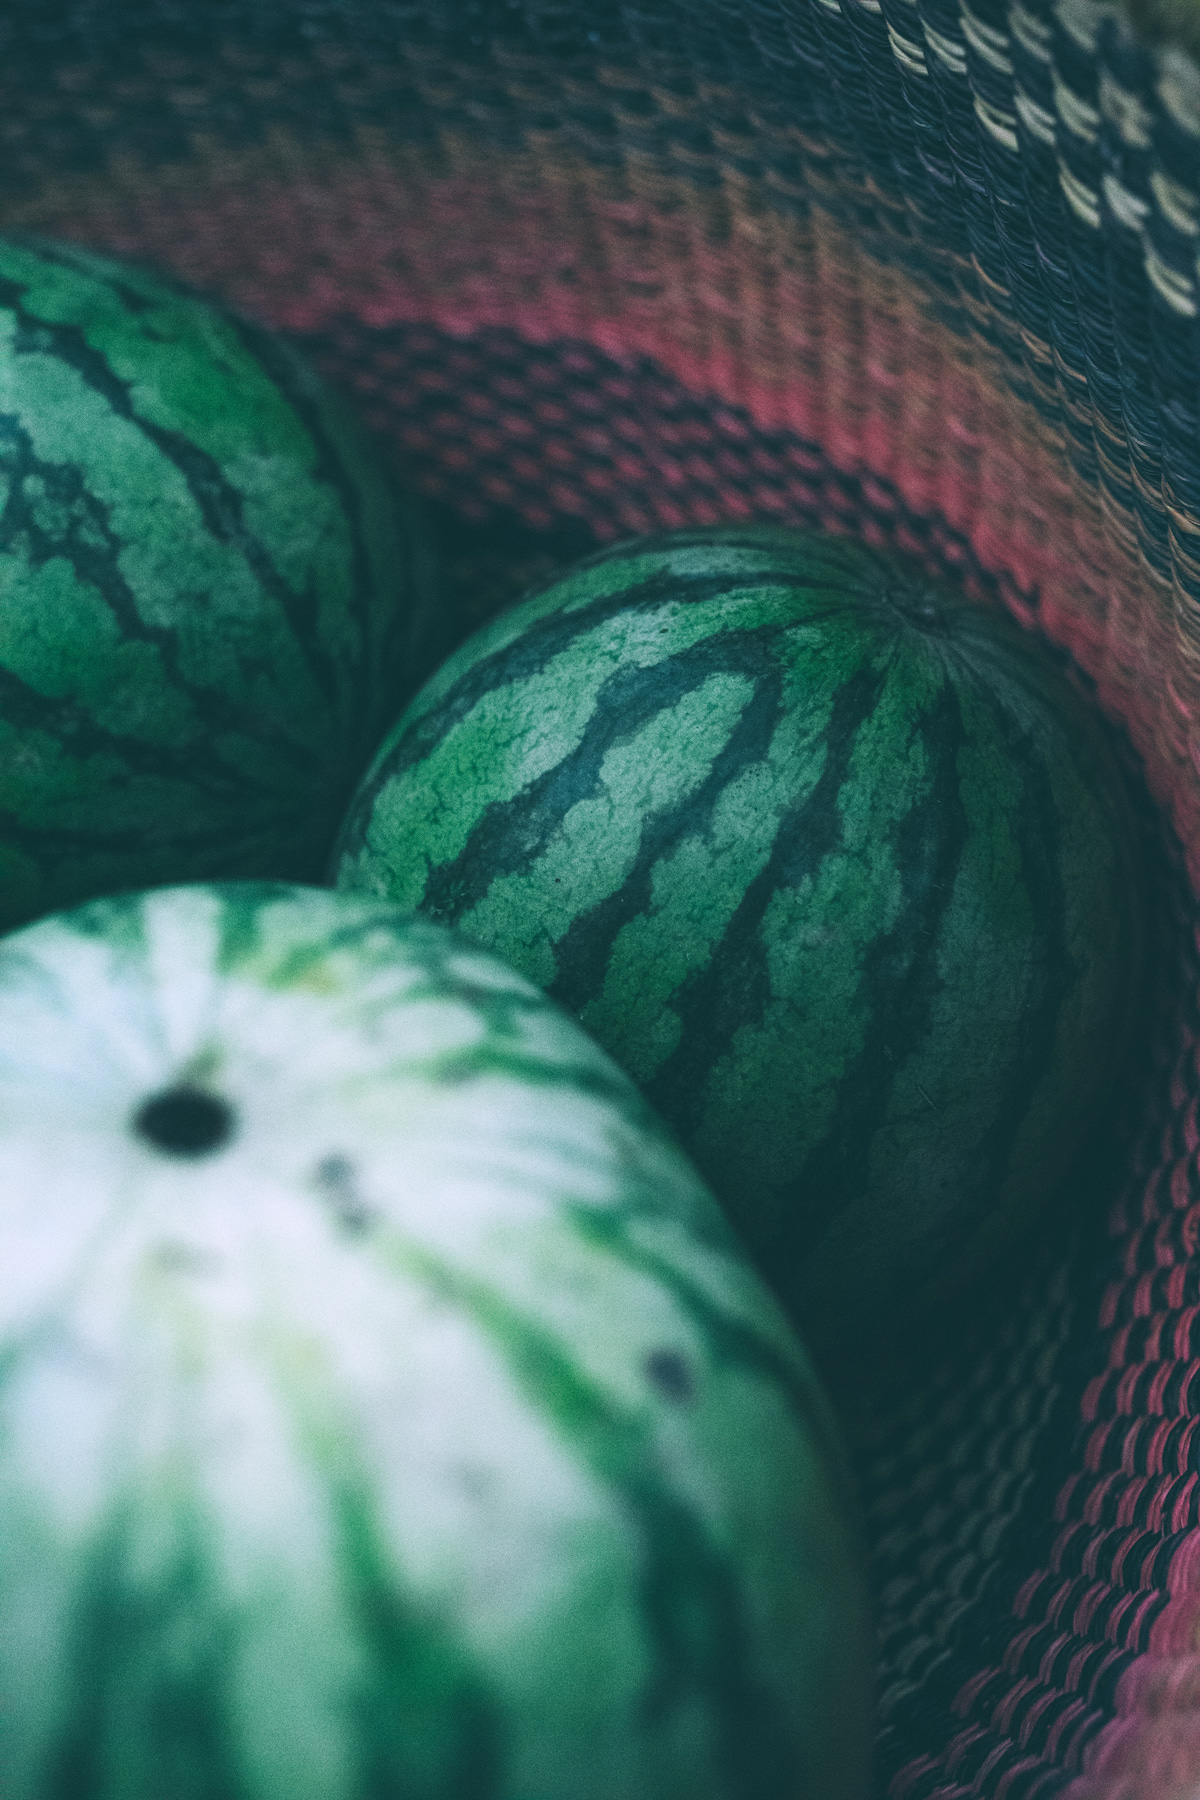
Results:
<point x="913" y="270"/>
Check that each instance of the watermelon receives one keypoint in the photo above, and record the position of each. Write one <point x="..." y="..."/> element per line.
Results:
<point x="838" y="865"/>
<point x="210" y="596"/>
<point x="387" y="1409"/>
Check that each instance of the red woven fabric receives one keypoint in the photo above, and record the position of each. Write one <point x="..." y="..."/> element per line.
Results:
<point x="643" y="284"/>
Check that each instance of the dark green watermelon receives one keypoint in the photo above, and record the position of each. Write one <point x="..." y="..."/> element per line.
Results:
<point x="838" y="865"/>
<point x="208" y="592"/>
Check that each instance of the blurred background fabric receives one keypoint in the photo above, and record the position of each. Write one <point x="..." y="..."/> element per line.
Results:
<point x="913" y="270"/>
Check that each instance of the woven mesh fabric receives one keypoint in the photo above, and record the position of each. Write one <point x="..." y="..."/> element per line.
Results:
<point x="910" y="269"/>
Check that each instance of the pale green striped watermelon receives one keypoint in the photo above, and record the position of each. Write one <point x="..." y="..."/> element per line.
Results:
<point x="836" y="864"/>
<point x="210" y="597"/>
<point x="386" y="1411"/>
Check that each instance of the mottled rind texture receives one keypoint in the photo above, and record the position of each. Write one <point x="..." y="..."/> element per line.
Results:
<point x="839" y="866"/>
<point x="427" y="1436"/>
<point x="207" y="590"/>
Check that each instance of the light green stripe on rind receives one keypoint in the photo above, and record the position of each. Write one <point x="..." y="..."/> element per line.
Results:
<point x="684" y="592"/>
<point x="696" y="887"/>
<point x="615" y="572"/>
<point x="811" y="938"/>
<point x="515" y="731"/>
<point x="596" y="845"/>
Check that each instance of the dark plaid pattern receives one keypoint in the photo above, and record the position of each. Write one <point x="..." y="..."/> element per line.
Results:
<point x="918" y="270"/>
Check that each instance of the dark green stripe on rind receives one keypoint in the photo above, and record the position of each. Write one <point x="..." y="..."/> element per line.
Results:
<point x="901" y="974"/>
<point x="153" y="1677"/>
<point x="430" y="1727"/>
<point x="93" y="552"/>
<point x="153" y="1658"/>
<point x="694" y="1610"/>
<point x="151" y="1669"/>
<point x="510" y="834"/>
<point x="384" y="628"/>
<point x="735" y="986"/>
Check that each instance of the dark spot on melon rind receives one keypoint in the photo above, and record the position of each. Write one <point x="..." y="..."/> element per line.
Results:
<point x="336" y="1169"/>
<point x="175" y="1258"/>
<point x="336" y="1179"/>
<point x="669" y="1374"/>
<point x="185" y="1122"/>
<point x="477" y="1481"/>
<point x="729" y="1341"/>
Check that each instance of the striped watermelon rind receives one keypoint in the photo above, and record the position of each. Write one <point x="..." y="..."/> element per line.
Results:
<point x="385" y="1405"/>
<point x="838" y="865"/>
<point x="210" y="595"/>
